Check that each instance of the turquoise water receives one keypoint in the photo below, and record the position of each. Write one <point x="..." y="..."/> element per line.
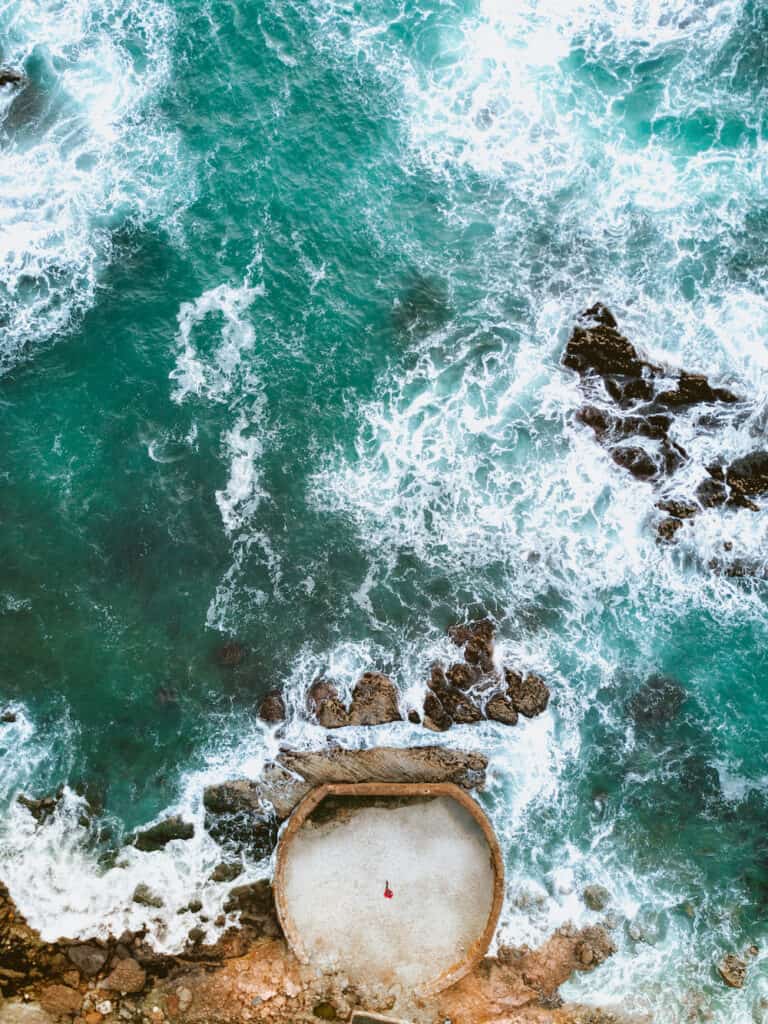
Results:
<point x="284" y="290"/>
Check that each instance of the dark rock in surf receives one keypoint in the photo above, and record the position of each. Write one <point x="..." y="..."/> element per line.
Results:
<point x="8" y="717"/>
<point x="462" y="676"/>
<point x="667" y="529"/>
<point x="658" y="700"/>
<point x="240" y="814"/>
<point x="231" y="654"/>
<point x="414" y="717"/>
<point x="461" y="708"/>
<point x="597" y="346"/>
<point x="477" y="640"/>
<point x="272" y="708"/>
<point x="529" y="695"/>
<point x="733" y="970"/>
<point x="88" y="958"/>
<point x="227" y="871"/>
<point x="42" y="808"/>
<point x="374" y="701"/>
<point x="320" y="690"/>
<point x="500" y="708"/>
<point x="694" y="389"/>
<point x="678" y="509"/>
<point x="748" y="476"/>
<point x="635" y="460"/>
<point x="146" y="897"/>
<point x="10" y="76"/>
<point x="158" y="836"/>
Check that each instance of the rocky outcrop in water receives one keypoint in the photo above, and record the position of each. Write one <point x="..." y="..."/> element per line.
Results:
<point x="251" y="975"/>
<point x="636" y="427"/>
<point x="11" y="76"/>
<point x="272" y="708"/>
<point x="158" y="836"/>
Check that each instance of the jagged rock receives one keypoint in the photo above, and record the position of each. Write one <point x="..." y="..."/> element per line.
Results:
<point x="255" y="902"/>
<point x="460" y="707"/>
<point x="60" y="1000"/>
<point x="635" y="460"/>
<point x="436" y="717"/>
<point x="733" y="970"/>
<point x="667" y="529"/>
<point x="463" y="676"/>
<point x="227" y="871"/>
<point x="158" y="836"/>
<point x="529" y="695"/>
<point x="272" y="708"/>
<point x="277" y="787"/>
<point x="87" y="958"/>
<point x="438" y="681"/>
<point x="477" y="640"/>
<point x="8" y="717"/>
<point x="748" y="476"/>
<point x="678" y="509"/>
<point x="711" y="492"/>
<point x="596" y="345"/>
<point x="694" y="389"/>
<point x="231" y="654"/>
<point x="500" y="708"/>
<point x="374" y="701"/>
<point x="658" y="700"/>
<point x="128" y="976"/>
<point x="42" y="809"/>
<point x="388" y="764"/>
<point x="143" y="895"/>
<point x="332" y="714"/>
<point x="596" y="897"/>
<point x="10" y="76"/>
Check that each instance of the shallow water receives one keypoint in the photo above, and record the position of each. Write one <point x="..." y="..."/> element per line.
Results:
<point x="284" y="290"/>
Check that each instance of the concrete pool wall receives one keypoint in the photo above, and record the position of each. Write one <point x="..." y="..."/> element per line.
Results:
<point x="437" y="850"/>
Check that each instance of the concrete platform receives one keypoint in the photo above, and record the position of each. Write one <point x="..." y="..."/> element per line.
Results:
<point x="435" y="848"/>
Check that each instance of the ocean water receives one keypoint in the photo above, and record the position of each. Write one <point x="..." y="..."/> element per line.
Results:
<point x="284" y="289"/>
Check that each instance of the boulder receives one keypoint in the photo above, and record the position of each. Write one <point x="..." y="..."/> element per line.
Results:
<point x="667" y="529"/>
<point x="41" y="809"/>
<point x="143" y="895"/>
<point x="733" y="970"/>
<point x="227" y="871"/>
<point x="60" y="1000"/>
<point x="332" y="713"/>
<point x="128" y="976"/>
<point x="500" y="708"/>
<point x="678" y="509"/>
<point x="321" y="689"/>
<point x="388" y="764"/>
<point x="597" y="346"/>
<point x="272" y="708"/>
<point x="748" y="475"/>
<point x="477" y="640"/>
<point x="529" y="695"/>
<point x="460" y="707"/>
<point x="596" y="897"/>
<point x="694" y="389"/>
<point x="658" y="700"/>
<point x="636" y="461"/>
<point x="463" y="676"/>
<point x="158" y="836"/>
<point x="374" y="701"/>
<point x="8" y="717"/>
<point x="88" y="958"/>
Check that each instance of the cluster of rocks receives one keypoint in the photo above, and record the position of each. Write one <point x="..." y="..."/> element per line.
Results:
<point x="466" y="692"/>
<point x="251" y="975"/>
<point x="635" y="420"/>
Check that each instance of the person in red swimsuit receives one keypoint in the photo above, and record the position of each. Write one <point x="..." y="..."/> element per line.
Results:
<point x="388" y="894"/>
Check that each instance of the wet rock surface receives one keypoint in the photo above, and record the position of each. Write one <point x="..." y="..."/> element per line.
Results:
<point x="632" y="414"/>
<point x="272" y="708"/>
<point x="658" y="700"/>
<point x="733" y="970"/>
<point x="158" y="836"/>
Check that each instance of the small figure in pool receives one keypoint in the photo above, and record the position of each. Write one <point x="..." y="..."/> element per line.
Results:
<point x="388" y="894"/>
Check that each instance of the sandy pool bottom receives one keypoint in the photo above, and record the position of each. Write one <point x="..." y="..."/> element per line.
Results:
<point x="438" y="865"/>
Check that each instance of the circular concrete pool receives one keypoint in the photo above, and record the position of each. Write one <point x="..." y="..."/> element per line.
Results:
<point x="395" y="884"/>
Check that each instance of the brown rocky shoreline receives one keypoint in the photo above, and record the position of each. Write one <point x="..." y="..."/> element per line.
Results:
<point x="251" y="975"/>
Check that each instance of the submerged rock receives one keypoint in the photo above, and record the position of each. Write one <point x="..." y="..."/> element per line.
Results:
<point x="374" y="701"/>
<point x="596" y="897"/>
<point x="658" y="700"/>
<point x="231" y="654"/>
<point x="158" y="836"/>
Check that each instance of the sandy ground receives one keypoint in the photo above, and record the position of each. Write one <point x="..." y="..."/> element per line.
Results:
<point x="438" y="865"/>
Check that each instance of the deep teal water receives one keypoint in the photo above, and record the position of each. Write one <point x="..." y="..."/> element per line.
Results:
<point x="285" y="287"/>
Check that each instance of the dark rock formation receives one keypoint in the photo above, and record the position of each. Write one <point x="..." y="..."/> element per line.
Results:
<point x="436" y="717"/>
<point x="678" y="509"/>
<point x="158" y="836"/>
<point x="658" y="700"/>
<point x="694" y="389"/>
<point x="461" y="708"/>
<point x="8" y="717"/>
<point x="597" y="346"/>
<point x="733" y="970"/>
<point x="42" y="808"/>
<point x="477" y="640"/>
<point x="667" y="529"/>
<point x="462" y="676"/>
<point x="374" y="701"/>
<point x="272" y="708"/>
<point x="320" y="690"/>
<point x="227" y="871"/>
<point x="238" y="814"/>
<point x="529" y="695"/>
<point x="146" y="897"/>
<point x="10" y="76"/>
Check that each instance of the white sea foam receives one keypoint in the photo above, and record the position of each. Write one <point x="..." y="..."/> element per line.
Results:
<point x="83" y="153"/>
